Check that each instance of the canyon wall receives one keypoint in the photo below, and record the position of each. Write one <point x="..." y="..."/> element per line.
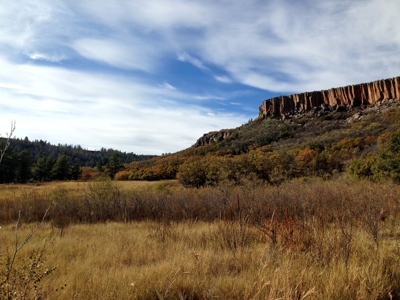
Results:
<point x="371" y="93"/>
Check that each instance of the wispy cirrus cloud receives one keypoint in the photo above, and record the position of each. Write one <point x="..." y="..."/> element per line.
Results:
<point x="47" y="57"/>
<point x="184" y="57"/>
<point x="125" y="55"/>
<point x="223" y="79"/>
<point x="286" y="46"/>
<point x="167" y="86"/>
<point x="102" y="110"/>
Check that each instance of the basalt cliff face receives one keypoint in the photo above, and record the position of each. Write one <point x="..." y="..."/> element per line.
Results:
<point x="353" y="100"/>
<point x="212" y="137"/>
<point x="373" y="93"/>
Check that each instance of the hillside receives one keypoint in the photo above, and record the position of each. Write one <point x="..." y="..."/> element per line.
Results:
<point x="318" y="125"/>
<point x="322" y="139"/>
<point x="349" y="103"/>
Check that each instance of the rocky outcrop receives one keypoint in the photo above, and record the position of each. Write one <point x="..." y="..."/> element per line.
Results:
<point x="372" y="93"/>
<point x="212" y="137"/>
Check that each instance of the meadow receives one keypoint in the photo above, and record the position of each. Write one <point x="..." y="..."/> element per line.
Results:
<point x="304" y="239"/>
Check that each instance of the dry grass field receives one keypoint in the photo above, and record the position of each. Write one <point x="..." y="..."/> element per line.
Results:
<point x="302" y="240"/>
<point x="9" y="191"/>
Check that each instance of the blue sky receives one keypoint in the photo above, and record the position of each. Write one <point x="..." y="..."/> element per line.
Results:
<point x="152" y="76"/>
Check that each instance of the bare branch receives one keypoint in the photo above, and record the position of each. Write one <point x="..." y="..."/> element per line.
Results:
<point x="7" y="137"/>
<point x="18" y="247"/>
<point x="33" y="231"/>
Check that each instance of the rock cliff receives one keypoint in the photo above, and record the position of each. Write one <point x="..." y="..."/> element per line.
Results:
<point x="212" y="137"/>
<point x="374" y="96"/>
<point x="372" y="93"/>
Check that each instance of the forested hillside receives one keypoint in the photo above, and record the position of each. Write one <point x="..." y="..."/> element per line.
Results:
<point x="87" y="158"/>
<point x="27" y="160"/>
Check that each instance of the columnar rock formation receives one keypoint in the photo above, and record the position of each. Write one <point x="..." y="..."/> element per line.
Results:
<point x="353" y="95"/>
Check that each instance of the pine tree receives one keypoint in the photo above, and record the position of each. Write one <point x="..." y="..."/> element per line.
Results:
<point x="24" y="172"/>
<point x="43" y="169"/>
<point x="99" y="166"/>
<point x="115" y="164"/>
<point x="8" y="170"/>
<point x="62" y="168"/>
<point x="76" y="170"/>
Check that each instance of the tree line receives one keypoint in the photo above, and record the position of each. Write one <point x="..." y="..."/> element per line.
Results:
<point x="88" y="158"/>
<point x="21" y="167"/>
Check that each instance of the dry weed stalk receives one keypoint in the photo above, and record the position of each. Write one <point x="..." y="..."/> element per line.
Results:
<point x="23" y="281"/>
<point x="7" y="143"/>
<point x="270" y="230"/>
<point x="171" y="280"/>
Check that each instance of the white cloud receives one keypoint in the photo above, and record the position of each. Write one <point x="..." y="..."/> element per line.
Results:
<point x="304" y="45"/>
<point x="279" y="45"/>
<point x="184" y="57"/>
<point x="10" y="86"/>
<point x="48" y="57"/>
<point x="133" y="55"/>
<point x="167" y="86"/>
<point x="95" y="111"/>
<point x="208" y="97"/>
<point x="282" y="43"/>
<point x="223" y="79"/>
<point x="151" y="15"/>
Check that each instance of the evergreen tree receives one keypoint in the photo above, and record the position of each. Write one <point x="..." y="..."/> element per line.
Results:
<point x="62" y="168"/>
<point x="24" y="172"/>
<point x="76" y="170"/>
<point x="8" y="166"/>
<point x="99" y="166"/>
<point x="43" y="169"/>
<point x="115" y="164"/>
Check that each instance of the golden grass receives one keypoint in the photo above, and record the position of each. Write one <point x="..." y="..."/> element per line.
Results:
<point x="189" y="260"/>
<point x="334" y="240"/>
<point x="12" y="191"/>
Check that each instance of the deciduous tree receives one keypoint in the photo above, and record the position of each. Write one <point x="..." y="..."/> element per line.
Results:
<point x="192" y="173"/>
